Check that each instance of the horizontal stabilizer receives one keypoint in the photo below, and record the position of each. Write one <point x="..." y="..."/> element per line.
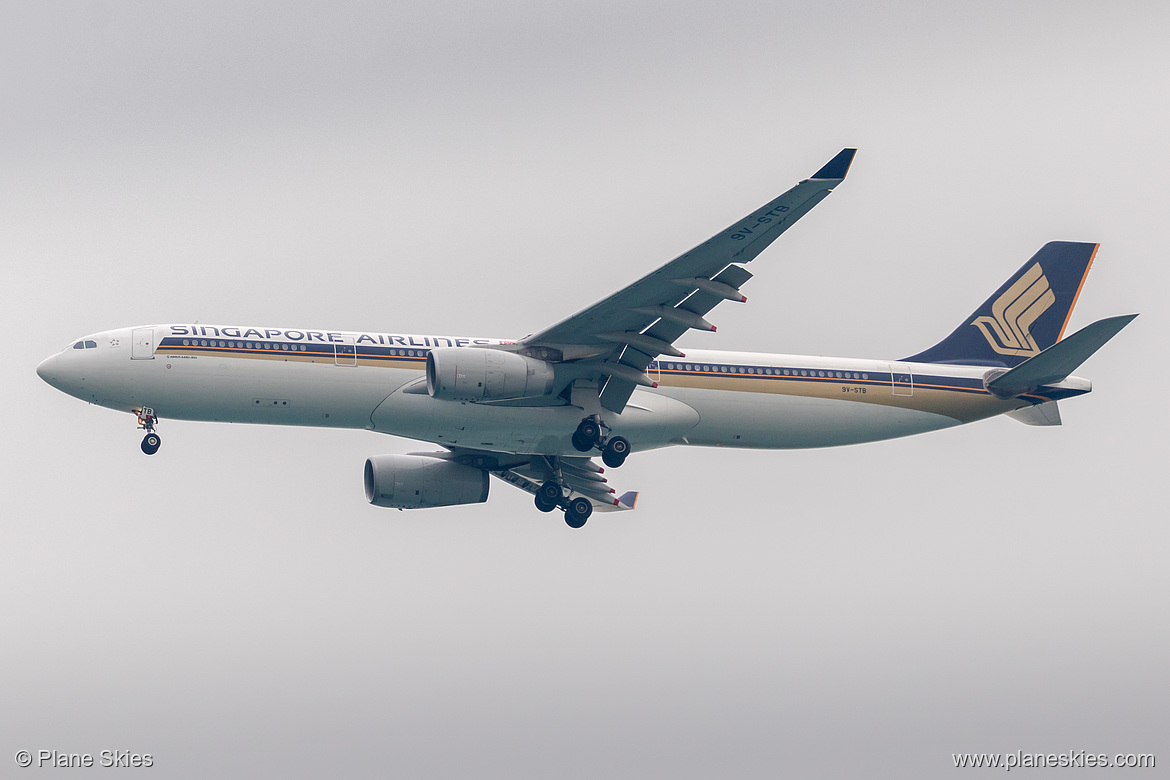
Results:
<point x="1040" y="414"/>
<point x="1054" y="364"/>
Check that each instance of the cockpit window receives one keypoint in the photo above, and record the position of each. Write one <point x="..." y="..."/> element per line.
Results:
<point x="91" y="345"/>
<point x="79" y="345"/>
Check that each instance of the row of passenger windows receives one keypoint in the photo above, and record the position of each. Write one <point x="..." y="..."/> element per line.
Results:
<point x="767" y="371"/>
<point x="270" y="345"/>
<point x="243" y="344"/>
<point x="84" y="345"/>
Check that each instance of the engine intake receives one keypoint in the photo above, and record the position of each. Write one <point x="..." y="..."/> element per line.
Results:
<point x="414" y="482"/>
<point x="470" y="374"/>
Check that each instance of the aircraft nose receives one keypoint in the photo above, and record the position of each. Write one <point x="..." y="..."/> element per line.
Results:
<point x="48" y="371"/>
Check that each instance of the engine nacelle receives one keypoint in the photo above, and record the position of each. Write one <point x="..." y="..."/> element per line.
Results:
<point x="470" y="374"/>
<point x="412" y="482"/>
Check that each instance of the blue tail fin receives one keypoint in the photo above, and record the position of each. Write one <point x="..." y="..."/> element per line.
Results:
<point x="1025" y="316"/>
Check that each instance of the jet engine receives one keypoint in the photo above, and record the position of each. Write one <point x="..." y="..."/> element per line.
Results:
<point x="470" y="374"/>
<point x="412" y="482"/>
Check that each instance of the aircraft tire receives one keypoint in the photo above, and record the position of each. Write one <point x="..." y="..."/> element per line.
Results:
<point x="550" y="493"/>
<point x="588" y="431"/>
<point x="580" y="444"/>
<point x="544" y="506"/>
<point x="577" y="512"/>
<point x="150" y="443"/>
<point x="616" y="451"/>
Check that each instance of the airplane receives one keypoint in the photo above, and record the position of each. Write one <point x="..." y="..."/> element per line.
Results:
<point x="607" y="381"/>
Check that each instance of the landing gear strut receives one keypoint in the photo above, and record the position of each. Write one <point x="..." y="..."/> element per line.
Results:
<point x="146" y="420"/>
<point x="590" y="434"/>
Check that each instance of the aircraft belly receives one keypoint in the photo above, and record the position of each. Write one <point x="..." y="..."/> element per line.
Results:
<point x="770" y="421"/>
<point x="649" y="421"/>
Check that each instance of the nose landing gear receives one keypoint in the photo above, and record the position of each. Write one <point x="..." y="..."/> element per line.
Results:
<point x="146" y="420"/>
<point x="150" y="443"/>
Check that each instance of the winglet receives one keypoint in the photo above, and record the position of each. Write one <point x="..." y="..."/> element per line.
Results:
<point x="628" y="500"/>
<point x="837" y="167"/>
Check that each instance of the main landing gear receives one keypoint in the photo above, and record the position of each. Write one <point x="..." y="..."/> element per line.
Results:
<point x="551" y="495"/>
<point x="146" y="420"/>
<point x="590" y="434"/>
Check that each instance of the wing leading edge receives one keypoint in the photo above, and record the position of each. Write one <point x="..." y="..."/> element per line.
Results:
<point x="617" y="337"/>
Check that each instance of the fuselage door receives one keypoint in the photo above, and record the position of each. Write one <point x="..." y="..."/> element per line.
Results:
<point x="902" y="379"/>
<point x="345" y="353"/>
<point x="142" y="344"/>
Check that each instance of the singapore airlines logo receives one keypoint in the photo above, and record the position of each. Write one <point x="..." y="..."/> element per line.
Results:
<point x="1009" y="331"/>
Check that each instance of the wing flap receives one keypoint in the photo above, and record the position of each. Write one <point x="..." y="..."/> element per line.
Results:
<point x="698" y="303"/>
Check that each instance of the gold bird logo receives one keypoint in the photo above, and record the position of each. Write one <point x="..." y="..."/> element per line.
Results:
<point x="1009" y="331"/>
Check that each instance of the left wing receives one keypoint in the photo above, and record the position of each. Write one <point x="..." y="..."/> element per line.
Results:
<point x="617" y="337"/>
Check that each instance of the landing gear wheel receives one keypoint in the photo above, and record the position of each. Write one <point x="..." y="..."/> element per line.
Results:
<point x="544" y="506"/>
<point x="616" y="450"/>
<point x="581" y="445"/>
<point x="549" y="493"/>
<point x="577" y="512"/>
<point x="150" y="443"/>
<point x="588" y="432"/>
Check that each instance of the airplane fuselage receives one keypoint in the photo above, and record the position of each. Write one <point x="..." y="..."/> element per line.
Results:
<point x="343" y="379"/>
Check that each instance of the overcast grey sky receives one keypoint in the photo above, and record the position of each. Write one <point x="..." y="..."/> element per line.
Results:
<point x="233" y="607"/>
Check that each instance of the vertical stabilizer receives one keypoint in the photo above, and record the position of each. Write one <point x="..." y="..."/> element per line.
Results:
<point x="1025" y="316"/>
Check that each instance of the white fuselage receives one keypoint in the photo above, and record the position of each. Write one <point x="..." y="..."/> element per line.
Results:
<point x="375" y="381"/>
